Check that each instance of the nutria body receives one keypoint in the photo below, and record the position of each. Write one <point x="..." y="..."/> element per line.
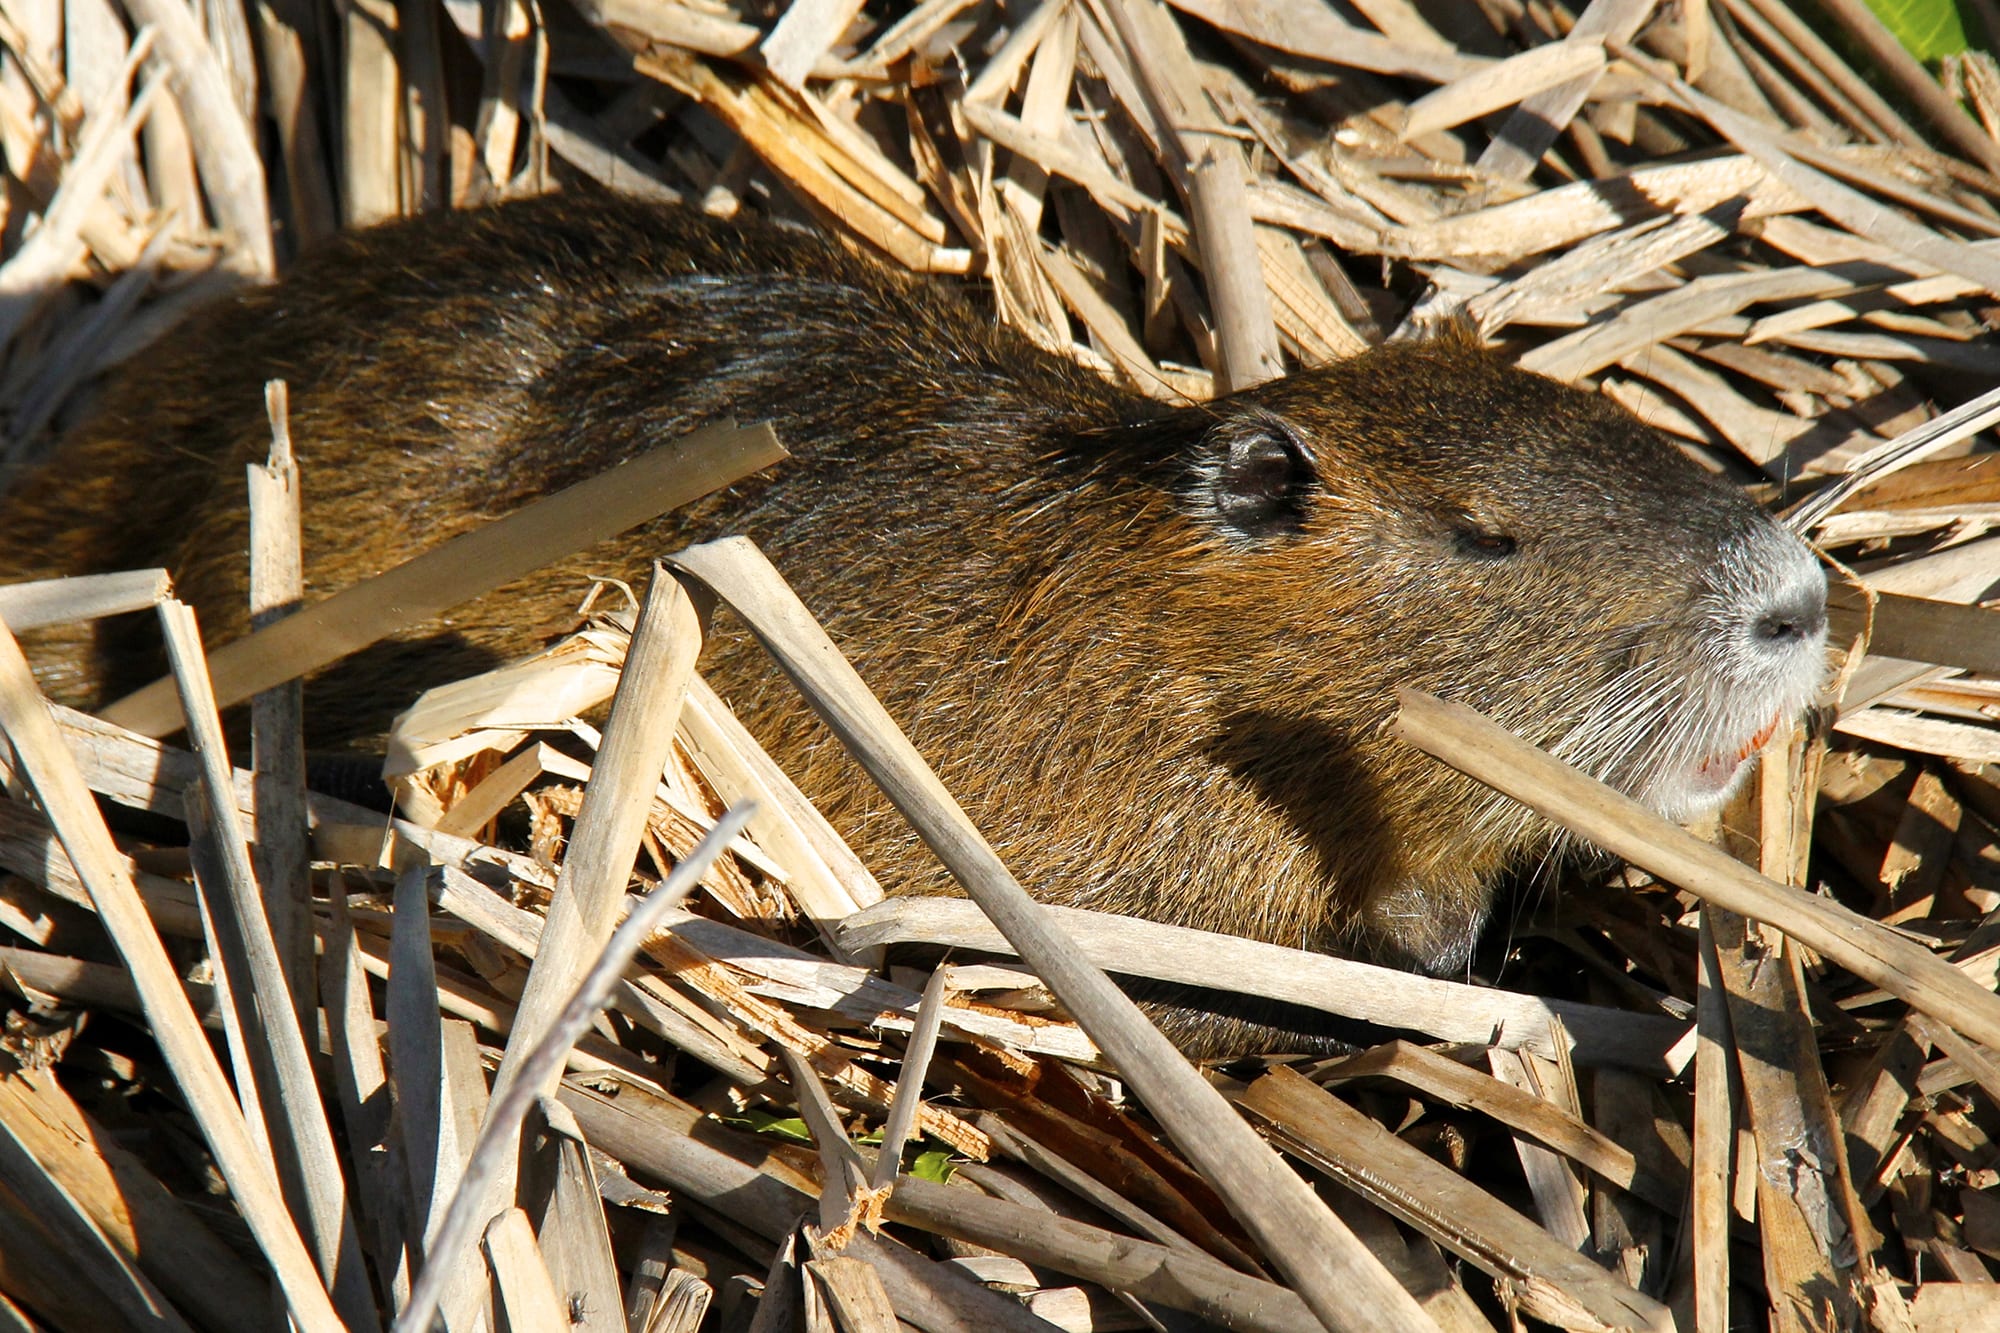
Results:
<point x="1150" y="651"/>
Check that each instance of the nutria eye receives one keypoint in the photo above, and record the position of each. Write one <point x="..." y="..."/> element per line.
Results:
<point x="1483" y="545"/>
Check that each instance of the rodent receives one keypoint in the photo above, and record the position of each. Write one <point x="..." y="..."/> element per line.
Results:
<point x="1151" y="650"/>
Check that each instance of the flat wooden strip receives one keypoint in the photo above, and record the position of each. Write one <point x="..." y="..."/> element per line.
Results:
<point x="1805" y="1235"/>
<point x="1716" y="1093"/>
<point x="463" y="568"/>
<point x="854" y="1292"/>
<point x="561" y="1192"/>
<point x="1927" y="735"/>
<point x="1925" y="630"/>
<point x="432" y="1153"/>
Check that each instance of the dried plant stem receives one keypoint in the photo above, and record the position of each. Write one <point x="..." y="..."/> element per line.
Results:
<point x="1344" y="1284"/>
<point x="277" y="715"/>
<point x="910" y="1081"/>
<point x="590" y="891"/>
<point x="458" y="570"/>
<point x="302" y="1142"/>
<point x="84" y="597"/>
<point x="232" y="171"/>
<point x="1480" y="748"/>
<point x="541" y="1067"/>
<point x="53" y="775"/>
<point x="1175" y="1278"/>
<point x="1706" y="1229"/>
<point x="1447" y="1010"/>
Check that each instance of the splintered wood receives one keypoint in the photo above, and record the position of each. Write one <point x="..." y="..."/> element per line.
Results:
<point x="1749" y="1081"/>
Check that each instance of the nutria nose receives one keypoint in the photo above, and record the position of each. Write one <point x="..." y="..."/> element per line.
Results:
<point x="1796" y="619"/>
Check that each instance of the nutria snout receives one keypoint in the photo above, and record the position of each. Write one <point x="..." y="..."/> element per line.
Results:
<point x="1150" y="650"/>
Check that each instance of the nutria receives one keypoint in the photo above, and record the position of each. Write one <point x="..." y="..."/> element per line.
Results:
<point x="1150" y="650"/>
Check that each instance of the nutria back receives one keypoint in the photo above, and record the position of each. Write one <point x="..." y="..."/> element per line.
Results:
<point x="1150" y="650"/>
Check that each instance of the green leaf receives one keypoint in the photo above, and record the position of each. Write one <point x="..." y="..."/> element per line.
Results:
<point x="764" y="1122"/>
<point x="1931" y="29"/>
<point x="933" y="1164"/>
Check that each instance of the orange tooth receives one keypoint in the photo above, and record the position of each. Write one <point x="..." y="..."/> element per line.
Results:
<point x="1756" y="742"/>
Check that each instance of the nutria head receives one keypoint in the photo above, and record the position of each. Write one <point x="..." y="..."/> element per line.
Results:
<point x="1427" y="515"/>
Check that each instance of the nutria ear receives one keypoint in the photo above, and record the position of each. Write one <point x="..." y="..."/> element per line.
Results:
<point x="1257" y="476"/>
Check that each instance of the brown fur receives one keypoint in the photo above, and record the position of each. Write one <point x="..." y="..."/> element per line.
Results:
<point x="1147" y="708"/>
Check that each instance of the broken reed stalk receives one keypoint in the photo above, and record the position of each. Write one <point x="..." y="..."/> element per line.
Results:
<point x="288" y="1093"/>
<point x="277" y="715"/>
<point x="842" y="1173"/>
<point x="1851" y="208"/>
<point x="467" y="566"/>
<point x="1208" y="165"/>
<point x="47" y="602"/>
<point x="426" y="1127"/>
<point x="590" y="890"/>
<point x="917" y="1051"/>
<point x="1343" y="1283"/>
<point x="541" y="1067"/>
<point x="1550" y="1279"/>
<point x="659" y="1135"/>
<point x="527" y="1295"/>
<point x="1447" y="1010"/>
<point x="52" y="774"/>
<point x="220" y="134"/>
<point x="1705" y="1229"/>
<point x="1912" y="446"/>
<point x="1179" y="1279"/>
<point x="1475" y="745"/>
<point x="45" y="1134"/>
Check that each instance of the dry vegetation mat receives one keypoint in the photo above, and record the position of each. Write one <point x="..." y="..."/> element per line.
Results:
<point x="266" y="1051"/>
